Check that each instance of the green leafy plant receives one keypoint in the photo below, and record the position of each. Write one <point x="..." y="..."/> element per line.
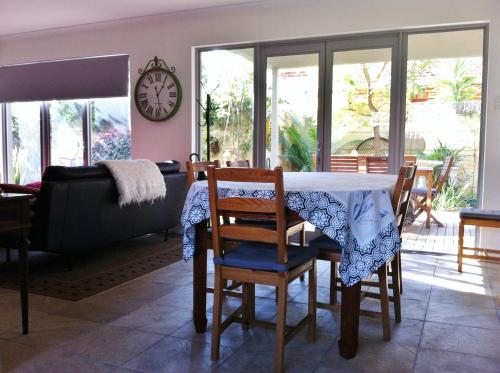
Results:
<point x="451" y="198"/>
<point x="442" y="151"/>
<point x="297" y="142"/>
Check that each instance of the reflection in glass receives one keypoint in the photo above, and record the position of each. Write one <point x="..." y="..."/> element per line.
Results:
<point x="291" y="111"/>
<point x="110" y="129"/>
<point x="227" y="103"/>
<point x="443" y="109"/>
<point x="25" y="146"/>
<point x="66" y="133"/>
<point x="361" y="89"/>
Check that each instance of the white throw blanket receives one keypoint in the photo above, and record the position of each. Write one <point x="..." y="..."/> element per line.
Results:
<point x="137" y="180"/>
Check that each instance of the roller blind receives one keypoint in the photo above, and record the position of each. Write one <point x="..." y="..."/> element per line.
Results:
<point x="95" y="77"/>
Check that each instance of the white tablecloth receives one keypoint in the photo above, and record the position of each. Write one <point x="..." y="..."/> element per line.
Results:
<point x="353" y="209"/>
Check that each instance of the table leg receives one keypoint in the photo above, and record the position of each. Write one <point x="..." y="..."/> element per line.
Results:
<point x="23" y="279"/>
<point x="349" y="320"/>
<point x="200" y="279"/>
<point x="428" y="201"/>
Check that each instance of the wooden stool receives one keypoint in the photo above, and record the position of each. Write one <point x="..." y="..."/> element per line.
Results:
<point x="477" y="218"/>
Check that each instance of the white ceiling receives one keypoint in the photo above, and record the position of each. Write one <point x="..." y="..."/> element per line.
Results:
<point x="19" y="16"/>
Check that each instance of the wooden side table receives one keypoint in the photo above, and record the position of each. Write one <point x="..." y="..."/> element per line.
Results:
<point x="14" y="226"/>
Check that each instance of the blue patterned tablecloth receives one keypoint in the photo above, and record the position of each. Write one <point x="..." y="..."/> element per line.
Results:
<point x="353" y="209"/>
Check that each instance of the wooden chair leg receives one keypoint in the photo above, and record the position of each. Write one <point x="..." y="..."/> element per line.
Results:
<point x="384" y="301"/>
<point x="302" y="242"/>
<point x="311" y="309"/>
<point x="217" y="314"/>
<point x="280" y="325"/>
<point x="333" y="283"/>
<point x="251" y="303"/>
<point x="460" y="245"/>
<point x="395" y="289"/>
<point x="398" y="256"/>
<point x="245" y="300"/>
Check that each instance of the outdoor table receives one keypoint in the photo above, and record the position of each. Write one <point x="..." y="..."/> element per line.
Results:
<point x="353" y="209"/>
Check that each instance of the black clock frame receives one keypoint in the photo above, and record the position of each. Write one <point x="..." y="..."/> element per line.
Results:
<point x="157" y="64"/>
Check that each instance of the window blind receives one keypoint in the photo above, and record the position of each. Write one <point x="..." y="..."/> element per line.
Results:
<point x="95" y="77"/>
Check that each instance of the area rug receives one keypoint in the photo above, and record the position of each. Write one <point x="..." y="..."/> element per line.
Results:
<point x="93" y="272"/>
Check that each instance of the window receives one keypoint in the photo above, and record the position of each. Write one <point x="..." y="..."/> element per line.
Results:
<point x="227" y="104"/>
<point x="64" y="133"/>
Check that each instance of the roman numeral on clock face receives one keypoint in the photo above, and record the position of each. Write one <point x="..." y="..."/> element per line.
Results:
<point x="171" y="85"/>
<point x="172" y="94"/>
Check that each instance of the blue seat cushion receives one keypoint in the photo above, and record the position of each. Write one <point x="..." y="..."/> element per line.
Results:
<point x="480" y="214"/>
<point x="264" y="257"/>
<point x="423" y="191"/>
<point x="324" y="243"/>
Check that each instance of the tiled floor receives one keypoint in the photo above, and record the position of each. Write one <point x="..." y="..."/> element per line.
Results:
<point x="451" y="323"/>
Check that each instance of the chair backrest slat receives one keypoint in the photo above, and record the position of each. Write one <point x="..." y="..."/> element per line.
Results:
<point x="344" y="163"/>
<point x="194" y="168"/>
<point x="377" y="165"/>
<point x="444" y="173"/>
<point x="402" y="193"/>
<point x="260" y="208"/>
<point x="239" y="163"/>
<point x="410" y="160"/>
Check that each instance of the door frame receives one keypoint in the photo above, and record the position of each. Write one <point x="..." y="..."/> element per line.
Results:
<point x="376" y="42"/>
<point x="287" y="49"/>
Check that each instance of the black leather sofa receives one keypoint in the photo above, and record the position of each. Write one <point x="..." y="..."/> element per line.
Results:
<point x="77" y="209"/>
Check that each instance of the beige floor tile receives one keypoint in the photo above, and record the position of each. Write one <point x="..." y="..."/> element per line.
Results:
<point x="13" y="354"/>
<point x="458" y="314"/>
<point x="464" y="339"/>
<point x="155" y="318"/>
<point x="112" y="344"/>
<point x="463" y="298"/>
<point x="49" y="330"/>
<point x="177" y="355"/>
<point x="437" y="361"/>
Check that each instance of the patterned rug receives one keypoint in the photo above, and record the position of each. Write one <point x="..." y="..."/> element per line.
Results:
<point x="93" y="272"/>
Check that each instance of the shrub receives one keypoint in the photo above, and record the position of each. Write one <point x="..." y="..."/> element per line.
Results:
<point x="111" y="145"/>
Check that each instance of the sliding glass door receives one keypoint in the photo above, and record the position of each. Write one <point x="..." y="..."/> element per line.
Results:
<point x="360" y="120"/>
<point x="293" y="104"/>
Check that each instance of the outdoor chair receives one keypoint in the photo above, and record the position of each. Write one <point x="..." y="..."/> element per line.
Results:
<point x="419" y="195"/>
<point x="243" y="163"/>
<point x="261" y="257"/>
<point x="331" y="251"/>
<point x="344" y="163"/>
<point x="377" y="165"/>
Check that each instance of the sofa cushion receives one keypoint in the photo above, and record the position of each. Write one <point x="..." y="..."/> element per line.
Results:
<point x="61" y="173"/>
<point x="19" y="189"/>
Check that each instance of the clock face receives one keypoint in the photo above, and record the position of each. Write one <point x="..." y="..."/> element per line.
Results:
<point x="158" y="94"/>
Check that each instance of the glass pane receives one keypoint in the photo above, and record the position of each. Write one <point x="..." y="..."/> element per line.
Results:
<point x="361" y="89"/>
<point x="66" y="133"/>
<point x="443" y="104"/>
<point x="24" y="124"/>
<point x="292" y="110"/>
<point x="227" y="102"/>
<point x="110" y="129"/>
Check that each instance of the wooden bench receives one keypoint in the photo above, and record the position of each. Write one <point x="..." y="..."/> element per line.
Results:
<point x="477" y="218"/>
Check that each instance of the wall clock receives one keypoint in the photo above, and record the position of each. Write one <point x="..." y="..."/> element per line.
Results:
<point x="158" y="92"/>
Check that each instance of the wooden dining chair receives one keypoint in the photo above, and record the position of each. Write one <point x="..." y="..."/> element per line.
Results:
<point x="344" y="163"/>
<point x="410" y="160"/>
<point x="294" y="224"/>
<point x="419" y="195"/>
<point x="197" y="171"/>
<point x="242" y="163"/>
<point x="377" y="165"/>
<point x="331" y="251"/>
<point x="261" y="257"/>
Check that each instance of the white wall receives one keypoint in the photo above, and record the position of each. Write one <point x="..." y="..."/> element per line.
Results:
<point x="173" y="36"/>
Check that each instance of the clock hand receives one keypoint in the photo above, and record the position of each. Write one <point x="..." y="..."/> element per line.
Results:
<point x="163" y="85"/>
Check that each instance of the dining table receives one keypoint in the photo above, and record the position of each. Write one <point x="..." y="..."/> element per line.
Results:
<point x="353" y="209"/>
